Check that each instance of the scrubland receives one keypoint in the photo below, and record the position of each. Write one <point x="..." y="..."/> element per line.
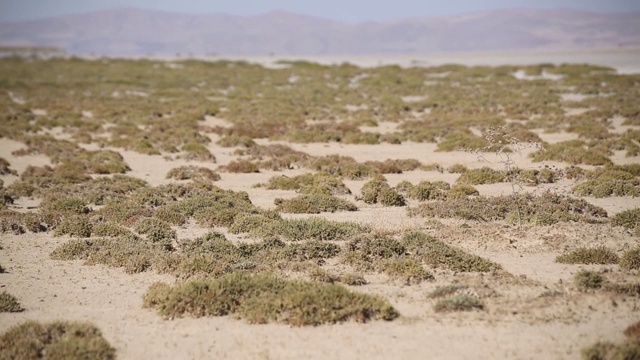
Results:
<point x="194" y="209"/>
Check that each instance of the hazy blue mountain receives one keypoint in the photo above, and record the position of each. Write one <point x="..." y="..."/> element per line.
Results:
<point x="136" y="32"/>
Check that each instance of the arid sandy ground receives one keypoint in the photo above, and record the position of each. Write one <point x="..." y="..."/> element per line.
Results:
<point x="518" y="322"/>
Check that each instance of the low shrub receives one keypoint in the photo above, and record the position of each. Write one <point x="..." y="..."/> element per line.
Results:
<point x="446" y="290"/>
<point x="457" y="169"/>
<point x="629" y="349"/>
<point x="74" y="225"/>
<point x="109" y="229"/>
<point x="609" y="181"/>
<point x="264" y="298"/>
<point x="630" y="260"/>
<point x="197" y="151"/>
<point x="310" y="184"/>
<point x="426" y="190"/>
<point x="377" y="191"/>
<point x="234" y="140"/>
<point x="371" y="248"/>
<point x="598" y="255"/>
<point x="586" y="280"/>
<point x="314" y="204"/>
<point x="9" y="303"/>
<point x="462" y="191"/>
<point x="241" y="166"/>
<point x="409" y="271"/>
<point x="481" y="176"/>
<point x="545" y="209"/>
<point x="573" y="152"/>
<point x="5" y="168"/>
<point x="458" y="303"/>
<point x="253" y="223"/>
<point x="129" y="252"/>
<point x="310" y="250"/>
<point x="397" y="166"/>
<point x="11" y="221"/>
<point x="629" y="219"/>
<point x="192" y="172"/>
<point x="157" y="231"/>
<point x="314" y="228"/>
<point x="56" y="340"/>
<point x="535" y="177"/>
<point x="435" y="253"/>
<point x="343" y="166"/>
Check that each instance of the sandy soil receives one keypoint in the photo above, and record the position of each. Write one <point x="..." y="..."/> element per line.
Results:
<point x="520" y="322"/>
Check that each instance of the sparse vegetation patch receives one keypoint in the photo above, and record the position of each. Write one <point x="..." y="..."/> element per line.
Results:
<point x="263" y="298"/>
<point x="598" y="255"/>
<point x="56" y="340"/>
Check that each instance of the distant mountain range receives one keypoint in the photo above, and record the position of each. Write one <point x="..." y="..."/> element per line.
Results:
<point x="137" y="32"/>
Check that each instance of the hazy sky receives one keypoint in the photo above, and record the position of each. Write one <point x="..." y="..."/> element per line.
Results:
<point x="346" y="10"/>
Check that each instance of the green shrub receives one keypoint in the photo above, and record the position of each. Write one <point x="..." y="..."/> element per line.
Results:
<point x="436" y="253"/>
<point x="377" y="191"/>
<point x="630" y="260"/>
<point x="213" y="242"/>
<point x="573" y="152"/>
<point x="586" y="279"/>
<point x="395" y="166"/>
<point x="241" y="166"/>
<point x="314" y="228"/>
<point x="545" y="209"/>
<point x="458" y="303"/>
<point x="629" y="349"/>
<point x="481" y="176"/>
<point x="74" y="225"/>
<point x="344" y="166"/>
<point x="630" y="219"/>
<point x="409" y="271"/>
<point x="56" y="340"/>
<point x="192" y="172"/>
<point x="9" y="303"/>
<point x="366" y="251"/>
<point x="310" y="250"/>
<point x="463" y="140"/>
<point x="535" y="177"/>
<point x="457" y="169"/>
<point x="65" y="206"/>
<point x="129" y="252"/>
<point x="197" y="151"/>
<point x="11" y="221"/>
<point x="446" y="290"/>
<point x="462" y="191"/>
<point x="253" y="223"/>
<point x="598" y="351"/>
<point x="143" y="146"/>
<point x="598" y="255"/>
<point x="605" y="185"/>
<point x="157" y="231"/>
<point x="426" y="190"/>
<point x="109" y="229"/>
<point x="314" y="204"/>
<point x="310" y="184"/>
<point x="352" y="279"/>
<point x="4" y="168"/>
<point x="233" y="140"/>
<point x="123" y="211"/>
<point x="264" y="298"/>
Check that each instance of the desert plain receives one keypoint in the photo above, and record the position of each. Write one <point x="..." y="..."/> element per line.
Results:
<point x="430" y="210"/>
